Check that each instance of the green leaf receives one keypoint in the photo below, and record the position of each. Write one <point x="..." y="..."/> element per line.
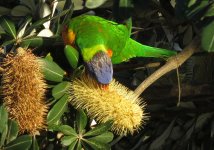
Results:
<point x="91" y="4"/>
<point x="207" y="40"/>
<point x="67" y="130"/>
<point x="8" y="42"/>
<point x="212" y="129"/>
<point x="3" y="136"/>
<point x="79" y="145"/>
<point x="8" y="26"/>
<point x="13" y="130"/>
<point x="57" y="110"/>
<point x="3" y="118"/>
<point x="32" y="41"/>
<point x="4" y="11"/>
<point x="45" y="19"/>
<point x="68" y="140"/>
<point x="35" y="41"/>
<point x="99" y="129"/>
<point x="103" y="138"/>
<point x="81" y="119"/>
<point x="49" y="57"/>
<point x="72" y="145"/>
<point x="22" y="28"/>
<point x="21" y="143"/>
<point x="210" y="11"/>
<point x="34" y="145"/>
<point x="72" y="55"/>
<point x="159" y="141"/>
<point x="51" y="70"/>
<point x="60" y="89"/>
<point x="202" y="120"/>
<point x="195" y="8"/>
<point x="97" y="145"/>
<point x="20" y="10"/>
<point x="2" y="30"/>
<point x="78" y="71"/>
<point x="29" y="3"/>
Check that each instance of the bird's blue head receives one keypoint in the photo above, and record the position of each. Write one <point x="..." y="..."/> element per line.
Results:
<point x="100" y="68"/>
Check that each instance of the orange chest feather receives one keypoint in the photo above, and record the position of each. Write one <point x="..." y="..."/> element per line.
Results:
<point x="68" y="37"/>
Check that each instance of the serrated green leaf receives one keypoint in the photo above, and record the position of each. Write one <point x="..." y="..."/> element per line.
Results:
<point x="99" y="129"/>
<point x="207" y="40"/>
<point x="72" y="55"/>
<point x="21" y="143"/>
<point x="103" y="138"/>
<point x="97" y="145"/>
<point x="72" y="145"/>
<point x="67" y="130"/>
<point x="8" y="26"/>
<point x="3" y="118"/>
<point x="81" y="119"/>
<point x="12" y="132"/>
<point x="68" y="140"/>
<point x="20" y="10"/>
<point x="159" y="141"/>
<point x="57" y="110"/>
<point x="60" y="89"/>
<point x="51" y="70"/>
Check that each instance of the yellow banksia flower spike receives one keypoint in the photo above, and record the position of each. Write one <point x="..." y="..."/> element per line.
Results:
<point x="23" y="90"/>
<point x="118" y="104"/>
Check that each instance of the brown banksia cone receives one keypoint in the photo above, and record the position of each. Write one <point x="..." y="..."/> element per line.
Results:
<point x="23" y="90"/>
<point x="118" y="104"/>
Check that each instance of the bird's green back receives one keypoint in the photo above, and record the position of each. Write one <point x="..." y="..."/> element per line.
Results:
<point x="95" y="33"/>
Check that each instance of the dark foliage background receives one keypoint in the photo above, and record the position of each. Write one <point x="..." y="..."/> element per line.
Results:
<point x="171" y="24"/>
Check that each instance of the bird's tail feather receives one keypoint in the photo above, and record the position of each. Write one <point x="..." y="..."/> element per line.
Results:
<point x="135" y="49"/>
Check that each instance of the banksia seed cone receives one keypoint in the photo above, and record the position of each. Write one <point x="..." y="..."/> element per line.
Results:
<point x="23" y="90"/>
<point x="118" y="104"/>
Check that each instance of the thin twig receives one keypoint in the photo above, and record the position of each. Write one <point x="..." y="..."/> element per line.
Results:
<point x="179" y="88"/>
<point x="172" y="63"/>
<point x="116" y="140"/>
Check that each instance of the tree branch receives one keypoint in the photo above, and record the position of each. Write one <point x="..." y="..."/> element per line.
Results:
<point x="172" y="63"/>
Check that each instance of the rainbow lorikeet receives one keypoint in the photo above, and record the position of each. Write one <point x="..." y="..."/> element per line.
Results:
<point x="102" y="43"/>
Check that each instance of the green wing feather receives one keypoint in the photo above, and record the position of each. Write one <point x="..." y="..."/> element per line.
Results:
<point x="135" y="49"/>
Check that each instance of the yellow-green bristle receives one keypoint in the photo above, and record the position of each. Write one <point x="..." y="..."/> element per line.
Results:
<point x="118" y="104"/>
